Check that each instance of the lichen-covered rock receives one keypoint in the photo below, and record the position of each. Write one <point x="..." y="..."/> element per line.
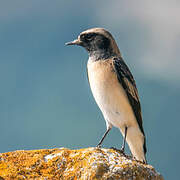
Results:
<point x="90" y="163"/>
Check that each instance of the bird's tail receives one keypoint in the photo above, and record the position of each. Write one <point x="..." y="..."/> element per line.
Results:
<point x="136" y="141"/>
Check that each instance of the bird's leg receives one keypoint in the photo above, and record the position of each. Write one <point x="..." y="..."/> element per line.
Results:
<point x="124" y="140"/>
<point x="102" y="139"/>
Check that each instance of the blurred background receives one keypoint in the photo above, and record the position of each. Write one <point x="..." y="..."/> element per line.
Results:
<point x="45" y="99"/>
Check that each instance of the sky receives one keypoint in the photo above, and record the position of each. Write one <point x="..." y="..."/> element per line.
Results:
<point x="45" y="99"/>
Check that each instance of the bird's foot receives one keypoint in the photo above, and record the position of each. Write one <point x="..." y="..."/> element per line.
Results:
<point x="122" y="150"/>
<point x="98" y="146"/>
<point x="119" y="150"/>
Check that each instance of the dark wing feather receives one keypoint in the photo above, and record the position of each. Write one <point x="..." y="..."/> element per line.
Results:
<point x="127" y="81"/>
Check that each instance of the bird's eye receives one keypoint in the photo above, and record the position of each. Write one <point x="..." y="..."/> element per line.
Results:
<point x="82" y="36"/>
<point x="89" y="36"/>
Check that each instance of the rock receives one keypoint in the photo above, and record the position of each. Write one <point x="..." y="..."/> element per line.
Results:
<point x="90" y="163"/>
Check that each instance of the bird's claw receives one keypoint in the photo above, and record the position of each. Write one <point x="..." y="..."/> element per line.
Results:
<point x="119" y="150"/>
<point x="98" y="146"/>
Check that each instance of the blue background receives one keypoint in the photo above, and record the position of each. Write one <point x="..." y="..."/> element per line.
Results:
<point x="45" y="99"/>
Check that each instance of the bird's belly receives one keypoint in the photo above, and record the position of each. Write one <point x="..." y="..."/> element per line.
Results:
<point x="110" y="95"/>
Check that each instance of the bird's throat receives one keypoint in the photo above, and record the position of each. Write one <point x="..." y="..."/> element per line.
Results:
<point x="100" y="55"/>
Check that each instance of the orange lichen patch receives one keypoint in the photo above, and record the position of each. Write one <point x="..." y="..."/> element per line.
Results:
<point x="90" y="163"/>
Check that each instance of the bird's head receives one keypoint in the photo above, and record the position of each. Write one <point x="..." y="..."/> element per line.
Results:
<point x="98" y="42"/>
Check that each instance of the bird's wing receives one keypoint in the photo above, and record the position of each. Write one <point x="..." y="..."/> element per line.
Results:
<point x="128" y="83"/>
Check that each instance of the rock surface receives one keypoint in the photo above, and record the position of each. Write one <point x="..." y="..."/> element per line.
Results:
<point x="90" y="163"/>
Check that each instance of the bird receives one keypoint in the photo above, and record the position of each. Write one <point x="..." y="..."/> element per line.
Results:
<point x="114" y="89"/>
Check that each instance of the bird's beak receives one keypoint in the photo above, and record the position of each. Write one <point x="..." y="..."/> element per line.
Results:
<point x="75" y="42"/>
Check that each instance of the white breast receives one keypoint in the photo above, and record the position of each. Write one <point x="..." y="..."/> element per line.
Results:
<point x="109" y="94"/>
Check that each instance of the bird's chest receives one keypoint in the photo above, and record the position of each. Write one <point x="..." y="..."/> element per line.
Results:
<point x="105" y="87"/>
<point x="109" y="94"/>
<point x="100" y="74"/>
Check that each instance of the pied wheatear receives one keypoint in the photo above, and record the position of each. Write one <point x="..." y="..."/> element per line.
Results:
<point x="114" y="88"/>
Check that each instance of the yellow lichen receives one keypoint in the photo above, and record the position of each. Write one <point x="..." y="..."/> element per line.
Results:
<point x="90" y="163"/>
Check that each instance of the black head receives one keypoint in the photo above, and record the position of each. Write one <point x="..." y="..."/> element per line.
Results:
<point x="98" y="42"/>
<point x="94" y="42"/>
